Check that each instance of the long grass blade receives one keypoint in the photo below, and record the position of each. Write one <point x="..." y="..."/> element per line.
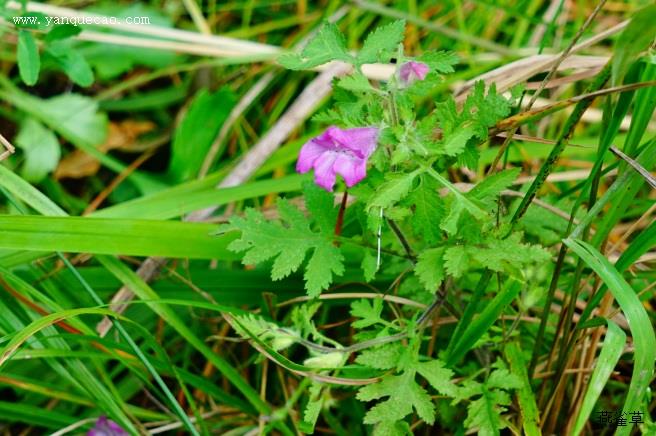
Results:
<point x="642" y="331"/>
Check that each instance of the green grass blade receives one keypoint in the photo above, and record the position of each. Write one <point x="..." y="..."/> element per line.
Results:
<point x="483" y="322"/>
<point x="610" y="354"/>
<point x="644" y="339"/>
<point x="34" y="327"/>
<point x="175" y="202"/>
<point x="126" y="276"/>
<point x="525" y="396"/>
<point x="114" y="236"/>
<point x="145" y="292"/>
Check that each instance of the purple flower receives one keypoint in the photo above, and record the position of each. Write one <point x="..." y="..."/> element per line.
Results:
<point x="106" y="427"/>
<point x="338" y="151"/>
<point x="411" y="71"/>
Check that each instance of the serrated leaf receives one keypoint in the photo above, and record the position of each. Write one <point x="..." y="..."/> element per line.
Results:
<point x="502" y="378"/>
<point x="392" y="428"/>
<point x="326" y="261"/>
<point x="440" y="61"/>
<point x="381" y="43"/>
<point x="369" y="266"/>
<point x="403" y="394"/>
<point x="321" y="204"/>
<point x="287" y="242"/>
<point x="356" y="82"/>
<point x="484" y="110"/>
<point x="368" y="310"/>
<point x="312" y="409"/>
<point x="384" y="357"/>
<point x="450" y="222"/>
<point x="328" y="45"/>
<point x="392" y="190"/>
<point x="484" y="414"/>
<point x="438" y="376"/>
<point x="430" y="268"/>
<point x="428" y="210"/>
<point x="29" y="62"/>
<point x="489" y="188"/>
<point x="455" y="143"/>
<point x="507" y="255"/>
<point x="456" y="261"/>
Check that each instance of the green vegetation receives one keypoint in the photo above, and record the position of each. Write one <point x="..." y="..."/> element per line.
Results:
<point x="469" y="247"/>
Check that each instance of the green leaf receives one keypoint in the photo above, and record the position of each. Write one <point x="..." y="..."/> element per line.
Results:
<point x="484" y="110"/>
<point x="449" y="223"/>
<point x="356" y="82"/>
<point x="326" y="262"/>
<point x="321" y="204"/>
<point x="253" y="325"/>
<point x="29" y="62"/>
<point x="113" y="236"/>
<point x="456" y="261"/>
<point x="440" y="61"/>
<point x="328" y="45"/>
<point x="484" y="414"/>
<point x="386" y="356"/>
<point x="525" y="396"/>
<point x="42" y="151"/>
<point x="392" y="428"/>
<point x="196" y="195"/>
<point x="395" y="188"/>
<point x="454" y="144"/>
<point x="428" y="210"/>
<point x="62" y="31"/>
<point x="71" y="62"/>
<point x="644" y="339"/>
<point x="35" y="326"/>
<point x="313" y="408"/>
<point x="111" y="60"/>
<point x="403" y="394"/>
<point x="31" y="20"/>
<point x="438" y="376"/>
<point x="477" y="328"/>
<point x="75" y="117"/>
<point x="611" y="351"/>
<point x="507" y="255"/>
<point x="382" y="43"/>
<point x="197" y="131"/>
<point x="430" y="268"/>
<point x="369" y="311"/>
<point x="129" y="278"/>
<point x="463" y="201"/>
<point x="502" y="378"/>
<point x="287" y="243"/>
<point x="635" y="38"/>
<point x="487" y="191"/>
<point x="369" y="266"/>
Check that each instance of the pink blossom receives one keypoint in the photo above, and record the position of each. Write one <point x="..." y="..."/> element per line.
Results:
<point x="411" y="71"/>
<point x="106" y="427"/>
<point x="338" y="151"/>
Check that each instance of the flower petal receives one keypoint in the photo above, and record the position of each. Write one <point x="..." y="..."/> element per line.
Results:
<point x="324" y="175"/>
<point x="411" y="71"/>
<point x="310" y="152"/>
<point x="351" y="168"/>
<point x="360" y="140"/>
